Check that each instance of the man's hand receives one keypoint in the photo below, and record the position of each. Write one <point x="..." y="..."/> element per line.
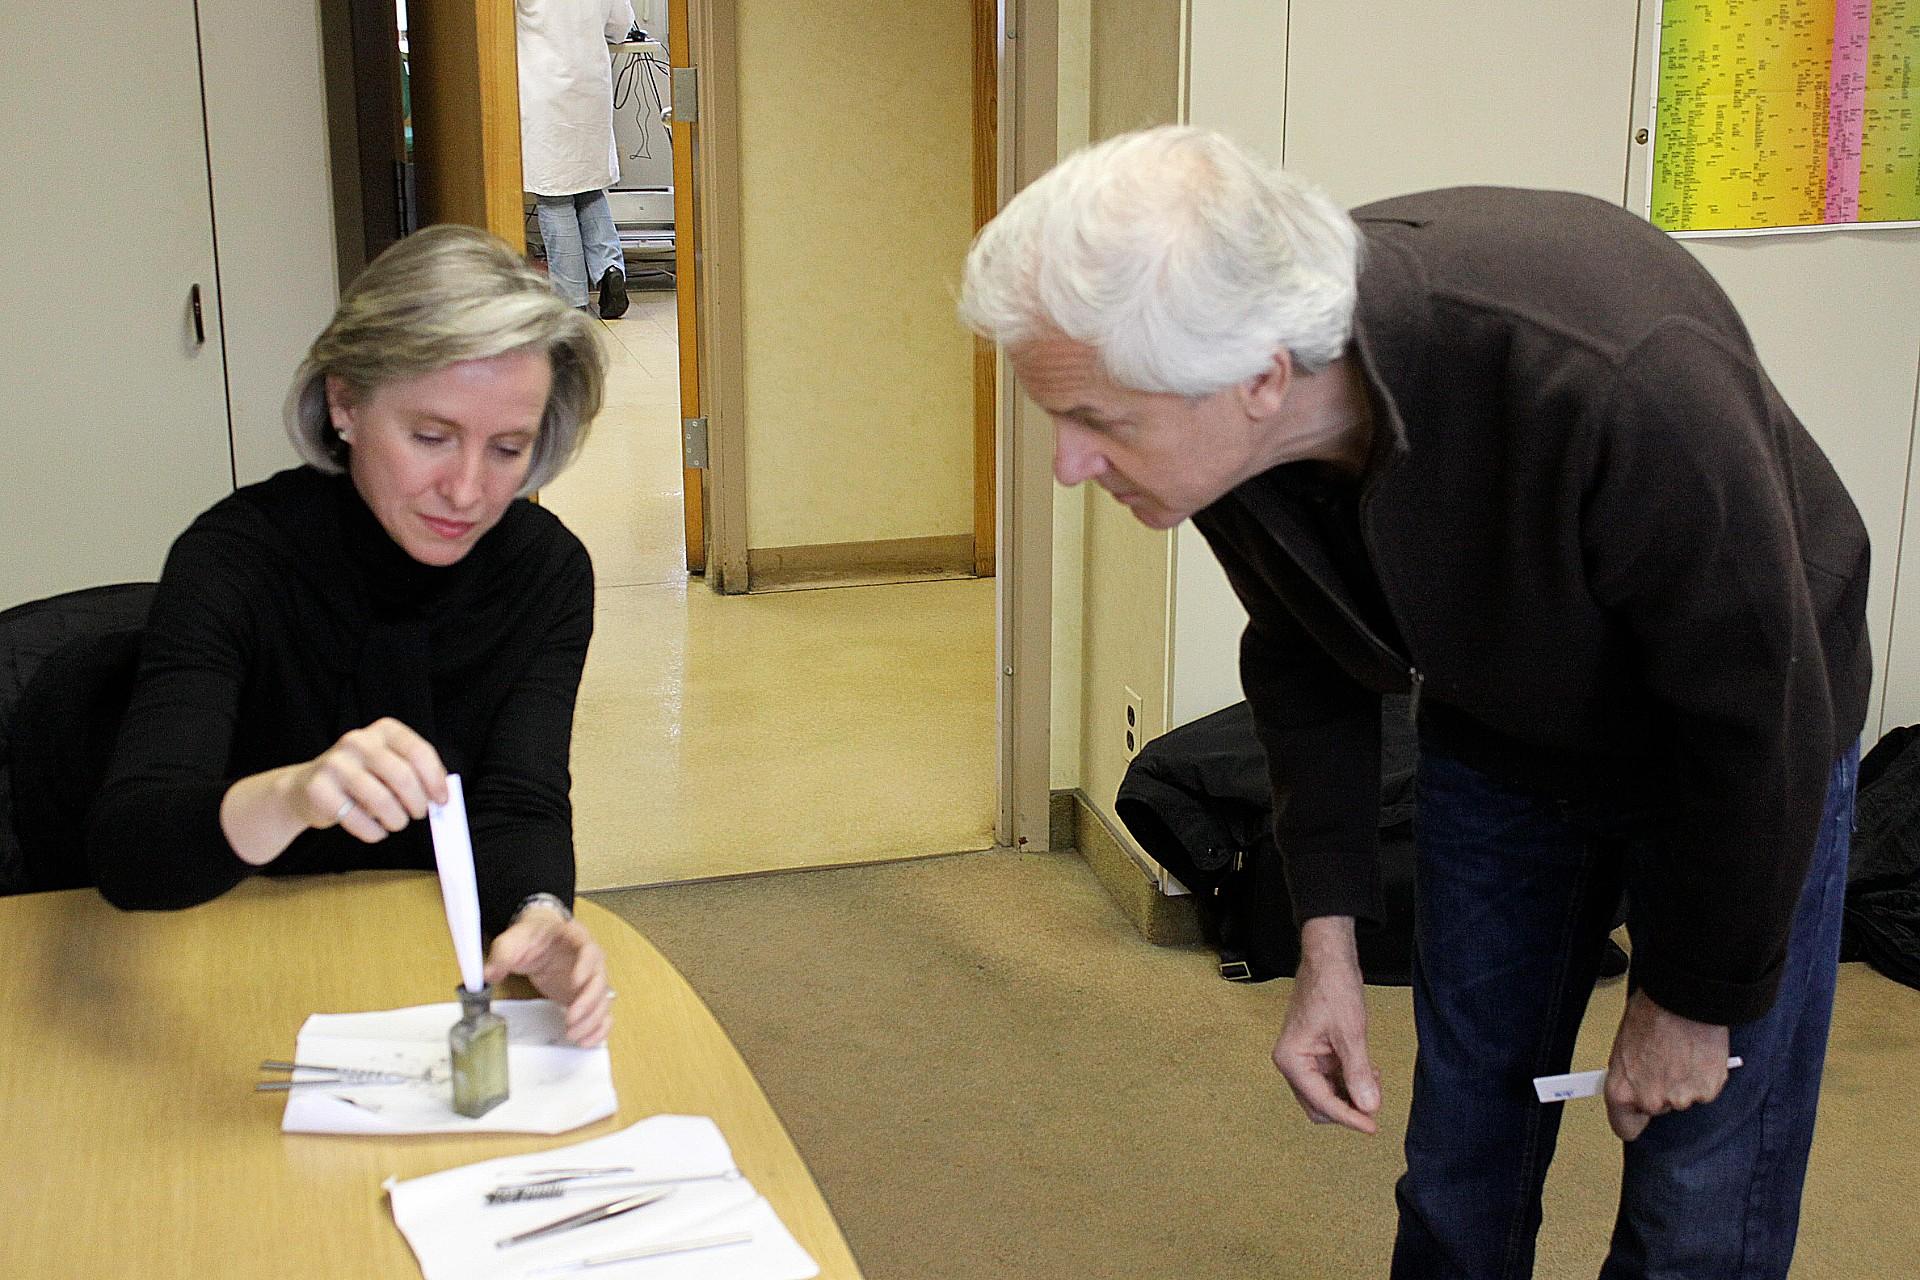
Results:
<point x="1661" y="1062"/>
<point x="1322" y="1050"/>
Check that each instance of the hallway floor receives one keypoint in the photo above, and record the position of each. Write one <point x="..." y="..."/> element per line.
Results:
<point x="728" y="735"/>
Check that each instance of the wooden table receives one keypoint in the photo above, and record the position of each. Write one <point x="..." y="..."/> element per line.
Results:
<point x="133" y="1144"/>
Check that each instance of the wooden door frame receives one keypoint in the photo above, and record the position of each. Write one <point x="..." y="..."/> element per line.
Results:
<point x="713" y="33"/>
<point x="466" y="114"/>
<point x="1028" y="119"/>
<point x="686" y="239"/>
<point x="987" y="47"/>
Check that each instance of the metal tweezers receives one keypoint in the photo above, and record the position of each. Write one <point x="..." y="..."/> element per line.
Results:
<point x="586" y="1217"/>
<point x="647" y="1251"/>
<point x="334" y="1076"/>
<point x="547" y="1184"/>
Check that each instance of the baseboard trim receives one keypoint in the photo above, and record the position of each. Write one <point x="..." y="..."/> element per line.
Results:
<point x="1060" y="806"/>
<point x="1160" y="919"/>
<point x="840" y="564"/>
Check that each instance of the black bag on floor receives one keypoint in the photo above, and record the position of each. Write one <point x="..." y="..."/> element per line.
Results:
<point x="1883" y="873"/>
<point x="1199" y="801"/>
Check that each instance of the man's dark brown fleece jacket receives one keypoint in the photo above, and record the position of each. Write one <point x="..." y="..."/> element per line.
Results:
<point x="1614" y="560"/>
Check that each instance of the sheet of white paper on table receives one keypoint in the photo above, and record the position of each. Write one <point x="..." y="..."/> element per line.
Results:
<point x="553" y="1086"/>
<point x="459" y="889"/>
<point x="453" y="1230"/>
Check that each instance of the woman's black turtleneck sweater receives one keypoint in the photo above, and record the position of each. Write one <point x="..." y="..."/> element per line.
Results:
<point x="286" y="617"/>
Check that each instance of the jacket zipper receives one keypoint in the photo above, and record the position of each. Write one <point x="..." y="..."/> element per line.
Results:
<point x="1416" y="679"/>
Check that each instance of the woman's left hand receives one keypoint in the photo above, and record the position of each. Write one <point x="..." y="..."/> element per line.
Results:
<point x="564" y="964"/>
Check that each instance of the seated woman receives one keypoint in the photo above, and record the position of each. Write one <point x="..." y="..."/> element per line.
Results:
<point x="326" y="645"/>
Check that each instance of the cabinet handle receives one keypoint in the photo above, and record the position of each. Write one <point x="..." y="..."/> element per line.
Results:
<point x="199" y="323"/>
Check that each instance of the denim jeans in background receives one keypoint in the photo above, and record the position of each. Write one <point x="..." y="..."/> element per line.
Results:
<point x="581" y="242"/>
<point x="1515" y="893"/>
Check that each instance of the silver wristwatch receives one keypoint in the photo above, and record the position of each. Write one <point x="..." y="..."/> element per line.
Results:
<point x="541" y="900"/>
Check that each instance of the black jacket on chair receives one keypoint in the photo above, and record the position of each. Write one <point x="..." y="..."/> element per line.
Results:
<point x="66" y="670"/>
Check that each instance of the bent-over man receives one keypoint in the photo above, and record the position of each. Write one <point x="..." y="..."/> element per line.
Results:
<point x="1512" y="453"/>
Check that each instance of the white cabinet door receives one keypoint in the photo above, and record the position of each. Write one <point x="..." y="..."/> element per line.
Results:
<point x="1404" y="95"/>
<point x="115" y="433"/>
<point x="1833" y="318"/>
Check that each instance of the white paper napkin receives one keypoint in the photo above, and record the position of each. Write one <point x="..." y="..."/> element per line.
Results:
<point x="552" y="1086"/>
<point x="454" y="1232"/>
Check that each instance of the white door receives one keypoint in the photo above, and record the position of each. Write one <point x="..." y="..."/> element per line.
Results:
<point x="115" y="431"/>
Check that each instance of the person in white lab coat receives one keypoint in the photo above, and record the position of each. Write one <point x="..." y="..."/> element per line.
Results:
<point x="567" y="153"/>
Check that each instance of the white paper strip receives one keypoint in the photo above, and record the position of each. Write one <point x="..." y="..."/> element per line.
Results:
<point x="1581" y="1084"/>
<point x="453" y="854"/>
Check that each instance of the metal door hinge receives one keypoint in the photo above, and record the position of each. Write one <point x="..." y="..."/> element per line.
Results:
<point x="693" y="441"/>
<point x="686" y="94"/>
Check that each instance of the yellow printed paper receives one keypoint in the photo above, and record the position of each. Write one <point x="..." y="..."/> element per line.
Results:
<point x="1786" y="114"/>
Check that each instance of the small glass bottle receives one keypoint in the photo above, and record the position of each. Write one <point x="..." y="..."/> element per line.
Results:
<point x="479" y="1044"/>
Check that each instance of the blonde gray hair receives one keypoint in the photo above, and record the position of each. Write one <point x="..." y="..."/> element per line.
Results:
<point x="440" y="296"/>
<point x="1183" y="260"/>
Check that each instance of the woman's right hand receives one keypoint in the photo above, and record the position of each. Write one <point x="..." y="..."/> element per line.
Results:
<point x="371" y="783"/>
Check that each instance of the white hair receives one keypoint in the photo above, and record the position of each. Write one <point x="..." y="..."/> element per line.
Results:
<point x="1183" y="260"/>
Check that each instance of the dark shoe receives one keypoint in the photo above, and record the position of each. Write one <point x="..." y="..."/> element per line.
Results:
<point x="613" y="294"/>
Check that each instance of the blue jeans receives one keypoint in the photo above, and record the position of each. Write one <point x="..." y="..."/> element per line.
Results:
<point x="1515" y="896"/>
<point x="582" y="242"/>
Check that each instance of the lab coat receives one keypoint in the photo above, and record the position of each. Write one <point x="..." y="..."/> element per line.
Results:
<point x="566" y="93"/>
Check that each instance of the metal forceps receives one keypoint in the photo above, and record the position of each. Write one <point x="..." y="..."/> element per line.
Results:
<point x="331" y="1076"/>
<point x="586" y="1217"/>
<point x="550" y="1184"/>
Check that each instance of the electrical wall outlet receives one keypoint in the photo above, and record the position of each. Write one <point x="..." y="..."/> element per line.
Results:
<point x="1136" y="726"/>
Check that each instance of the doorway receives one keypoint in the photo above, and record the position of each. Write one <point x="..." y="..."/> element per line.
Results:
<point x="471" y="170"/>
<point x="725" y="734"/>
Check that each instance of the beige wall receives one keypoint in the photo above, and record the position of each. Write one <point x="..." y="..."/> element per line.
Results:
<point x="1072" y="106"/>
<point x="1133" y="80"/>
<point x="1237" y="64"/>
<point x="1134" y="65"/>
<point x="856" y="209"/>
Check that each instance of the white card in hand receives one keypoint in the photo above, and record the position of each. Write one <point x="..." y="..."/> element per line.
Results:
<point x="453" y="854"/>
<point x="1581" y="1084"/>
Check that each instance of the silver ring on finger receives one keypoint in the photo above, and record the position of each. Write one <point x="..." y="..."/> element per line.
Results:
<point x="340" y="814"/>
